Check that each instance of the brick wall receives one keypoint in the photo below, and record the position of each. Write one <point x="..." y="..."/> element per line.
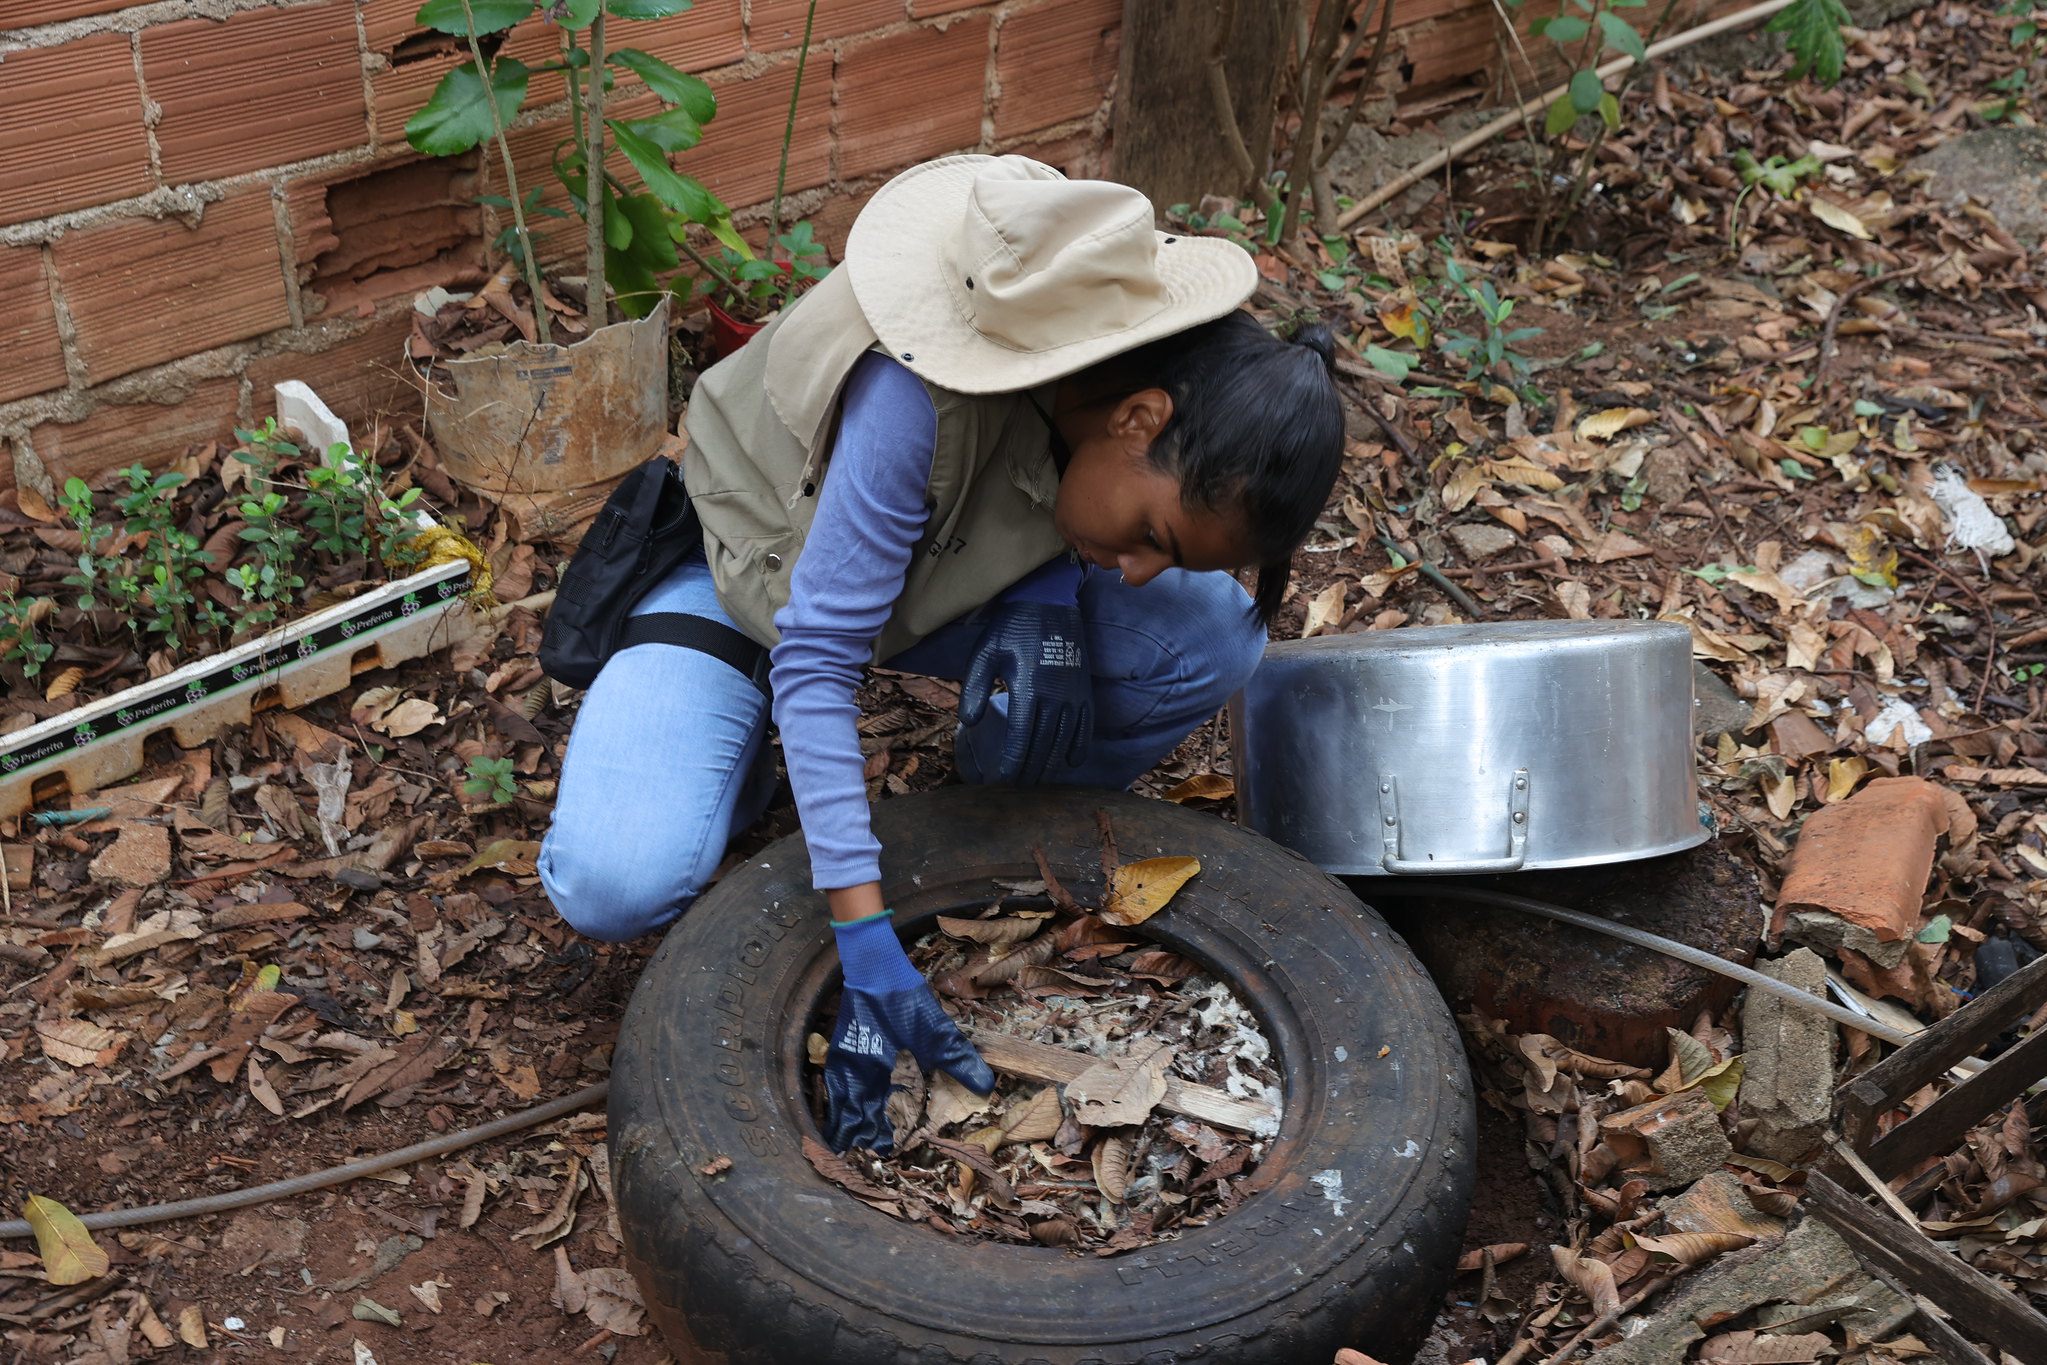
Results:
<point x="197" y="201"/>
<point x="194" y="206"/>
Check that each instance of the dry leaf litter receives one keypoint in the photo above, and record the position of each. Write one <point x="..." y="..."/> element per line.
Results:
<point x="1100" y="1163"/>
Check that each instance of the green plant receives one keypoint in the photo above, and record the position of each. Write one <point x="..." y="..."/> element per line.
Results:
<point x="754" y="287"/>
<point x="751" y="287"/>
<point x="172" y="562"/>
<point x="264" y="450"/>
<point x="1812" y="31"/>
<point x="1485" y="354"/>
<point x="270" y="580"/>
<point x="630" y="219"/>
<point x="2024" y="673"/>
<point x="490" y="779"/>
<point x="1231" y="224"/>
<point x="2027" y="39"/>
<point x="18" y="637"/>
<point x="99" y="576"/>
<point x="334" y="510"/>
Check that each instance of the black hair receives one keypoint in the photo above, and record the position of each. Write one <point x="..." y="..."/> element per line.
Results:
<point x="1257" y="428"/>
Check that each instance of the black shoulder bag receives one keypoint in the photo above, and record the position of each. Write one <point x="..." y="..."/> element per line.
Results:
<point x="647" y="528"/>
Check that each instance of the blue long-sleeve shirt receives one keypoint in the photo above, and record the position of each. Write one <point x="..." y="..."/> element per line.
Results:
<point x="870" y="515"/>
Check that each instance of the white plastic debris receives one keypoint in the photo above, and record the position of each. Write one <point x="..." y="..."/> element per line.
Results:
<point x="1971" y="523"/>
<point x="437" y="298"/>
<point x="1331" y="1182"/>
<point x="1897" y="716"/>
<point x="300" y="411"/>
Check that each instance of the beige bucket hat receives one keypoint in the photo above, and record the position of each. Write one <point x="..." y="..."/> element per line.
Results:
<point x="985" y="274"/>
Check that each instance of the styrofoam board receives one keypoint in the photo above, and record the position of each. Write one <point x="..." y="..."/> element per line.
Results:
<point x="310" y="658"/>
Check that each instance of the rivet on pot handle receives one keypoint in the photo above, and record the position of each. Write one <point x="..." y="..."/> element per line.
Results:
<point x="1517" y="835"/>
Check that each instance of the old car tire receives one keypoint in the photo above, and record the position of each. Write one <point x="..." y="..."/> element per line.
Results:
<point x="763" y="1263"/>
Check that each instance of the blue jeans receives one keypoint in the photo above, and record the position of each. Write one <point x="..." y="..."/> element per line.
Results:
<point x="669" y="758"/>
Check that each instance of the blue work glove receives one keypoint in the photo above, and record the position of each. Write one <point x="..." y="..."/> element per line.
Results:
<point x="1039" y="650"/>
<point x="886" y="1007"/>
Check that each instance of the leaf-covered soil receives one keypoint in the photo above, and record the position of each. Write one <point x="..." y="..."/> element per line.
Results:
<point x="1738" y="416"/>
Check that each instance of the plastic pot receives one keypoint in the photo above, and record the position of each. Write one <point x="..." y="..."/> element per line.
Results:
<point x="1347" y="1235"/>
<point x="728" y="333"/>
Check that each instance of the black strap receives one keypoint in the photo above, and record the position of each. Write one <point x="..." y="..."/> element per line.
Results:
<point x="705" y="636"/>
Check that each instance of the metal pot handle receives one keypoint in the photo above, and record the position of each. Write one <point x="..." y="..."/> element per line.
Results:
<point x="1517" y="835"/>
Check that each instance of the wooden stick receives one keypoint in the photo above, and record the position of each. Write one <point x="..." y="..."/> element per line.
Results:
<point x="1877" y="1185"/>
<point x="1044" y="1062"/>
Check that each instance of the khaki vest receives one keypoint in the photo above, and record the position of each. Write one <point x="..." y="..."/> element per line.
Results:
<point x="755" y="482"/>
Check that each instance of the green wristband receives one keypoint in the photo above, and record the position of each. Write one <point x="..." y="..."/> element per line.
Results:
<point x="849" y="923"/>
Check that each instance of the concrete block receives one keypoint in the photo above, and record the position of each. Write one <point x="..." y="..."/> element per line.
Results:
<point x="1787" y="1083"/>
<point x="1671" y="1141"/>
<point x="1810" y="1264"/>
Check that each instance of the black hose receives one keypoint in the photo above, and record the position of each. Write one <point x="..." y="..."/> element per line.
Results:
<point x="333" y="1175"/>
<point x="1641" y="938"/>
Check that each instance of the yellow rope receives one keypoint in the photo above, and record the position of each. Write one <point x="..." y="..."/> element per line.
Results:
<point x="443" y="545"/>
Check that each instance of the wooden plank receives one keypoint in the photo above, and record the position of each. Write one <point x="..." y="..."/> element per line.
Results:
<point x="1938" y="1129"/>
<point x="1964" y="1293"/>
<point x="1932" y="1327"/>
<point x="1940" y="1334"/>
<point x="1962" y="1034"/>
<point x="1044" y="1062"/>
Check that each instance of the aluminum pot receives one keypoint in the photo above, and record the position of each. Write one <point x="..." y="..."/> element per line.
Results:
<point x="1465" y="749"/>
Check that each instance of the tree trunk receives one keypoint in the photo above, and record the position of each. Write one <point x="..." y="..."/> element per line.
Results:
<point x="1169" y="141"/>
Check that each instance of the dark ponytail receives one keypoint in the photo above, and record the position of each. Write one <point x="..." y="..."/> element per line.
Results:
<point x="1256" y="430"/>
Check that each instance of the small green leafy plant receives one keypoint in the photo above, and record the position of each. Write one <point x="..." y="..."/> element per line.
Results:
<point x="491" y="780"/>
<point x="1813" y="33"/>
<point x="263" y="450"/>
<point x="1812" y="30"/>
<point x="1233" y="224"/>
<point x="18" y="636"/>
<point x="751" y="287"/>
<point x="1486" y="353"/>
<point x="173" y="560"/>
<point x="2028" y="39"/>
<point x="269" y="581"/>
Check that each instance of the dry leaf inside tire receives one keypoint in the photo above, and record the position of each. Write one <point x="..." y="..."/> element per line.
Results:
<point x="70" y="1256"/>
<point x="1111" y="1159"/>
<point x="1142" y="889"/>
<point x="1120" y="1091"/>
<point x="1003" y="929"/>
<point x="1037" y="1121"/>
